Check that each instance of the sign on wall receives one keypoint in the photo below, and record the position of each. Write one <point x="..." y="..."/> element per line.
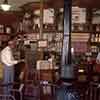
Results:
<point x="48" y="16"/>
<point x="78" y="15"/>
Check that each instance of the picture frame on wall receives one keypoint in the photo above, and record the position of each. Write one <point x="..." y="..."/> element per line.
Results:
<point x="96" y="16"/>
<point x="78" y="15"/>
<point x="48" y="15"/>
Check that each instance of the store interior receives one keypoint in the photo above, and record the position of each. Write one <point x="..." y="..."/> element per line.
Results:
<point x="38" y="35"/>
<point x="38" y="29"/>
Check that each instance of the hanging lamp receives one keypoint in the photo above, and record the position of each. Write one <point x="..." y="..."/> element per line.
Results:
<point x="5" y="6"/>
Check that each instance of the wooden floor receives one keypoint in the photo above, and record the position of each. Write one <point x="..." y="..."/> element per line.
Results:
<point x="88" y="91"/>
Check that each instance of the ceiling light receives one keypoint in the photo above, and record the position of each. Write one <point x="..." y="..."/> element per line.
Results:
<point x="5" y="6"/>
<point x="81" y="70"/>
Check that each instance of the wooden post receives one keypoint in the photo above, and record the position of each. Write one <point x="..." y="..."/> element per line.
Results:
<point x="41" y="19"/>
<point x="40" y="52"/>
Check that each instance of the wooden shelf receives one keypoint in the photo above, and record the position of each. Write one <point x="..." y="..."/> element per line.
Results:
<point x="81" y="31"/>
<point x="95" y="43"/>
<point x="21" y="33"/>
<point x="95" y="32"/>
<point x="4" y="34"/>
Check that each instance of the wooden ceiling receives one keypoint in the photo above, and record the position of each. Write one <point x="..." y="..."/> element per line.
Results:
<point x="87" y="3"/>
<point x="55" y="3"/>
<point x="80" y="3"/>
<point x="47" y="4"/>
<point x="51" y="3"/>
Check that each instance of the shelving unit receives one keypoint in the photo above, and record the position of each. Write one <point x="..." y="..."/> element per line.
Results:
<point x="27" y="33"/>
<point x="95" y="38"/>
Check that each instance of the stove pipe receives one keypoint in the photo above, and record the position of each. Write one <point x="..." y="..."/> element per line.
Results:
<point x="67" y="69"/>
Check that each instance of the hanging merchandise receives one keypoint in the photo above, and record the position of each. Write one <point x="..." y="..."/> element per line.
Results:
<point x="27" y="23"/>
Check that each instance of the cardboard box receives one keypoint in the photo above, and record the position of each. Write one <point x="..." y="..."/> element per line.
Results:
<point x="43" y="65"/>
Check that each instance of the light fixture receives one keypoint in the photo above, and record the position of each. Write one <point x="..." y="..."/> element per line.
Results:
<point x="5" y="6"/>
<point x="81" y="70"/>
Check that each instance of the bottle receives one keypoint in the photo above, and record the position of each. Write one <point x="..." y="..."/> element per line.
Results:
<point x="96" y="38"/>
<point x="99" y="37"/>
<point x="97" y="28"/>
<point x="8" y="30"/>
<point x="92" y="38"/>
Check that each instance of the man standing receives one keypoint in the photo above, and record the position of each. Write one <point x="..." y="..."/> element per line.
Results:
<point x="8" y="61"/>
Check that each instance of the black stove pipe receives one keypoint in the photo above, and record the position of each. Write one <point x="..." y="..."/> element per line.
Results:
<point x="66" y="90"/>
<point x="67" y="69"/>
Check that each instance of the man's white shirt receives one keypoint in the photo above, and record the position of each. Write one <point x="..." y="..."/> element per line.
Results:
<point x="7" y="57"/>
